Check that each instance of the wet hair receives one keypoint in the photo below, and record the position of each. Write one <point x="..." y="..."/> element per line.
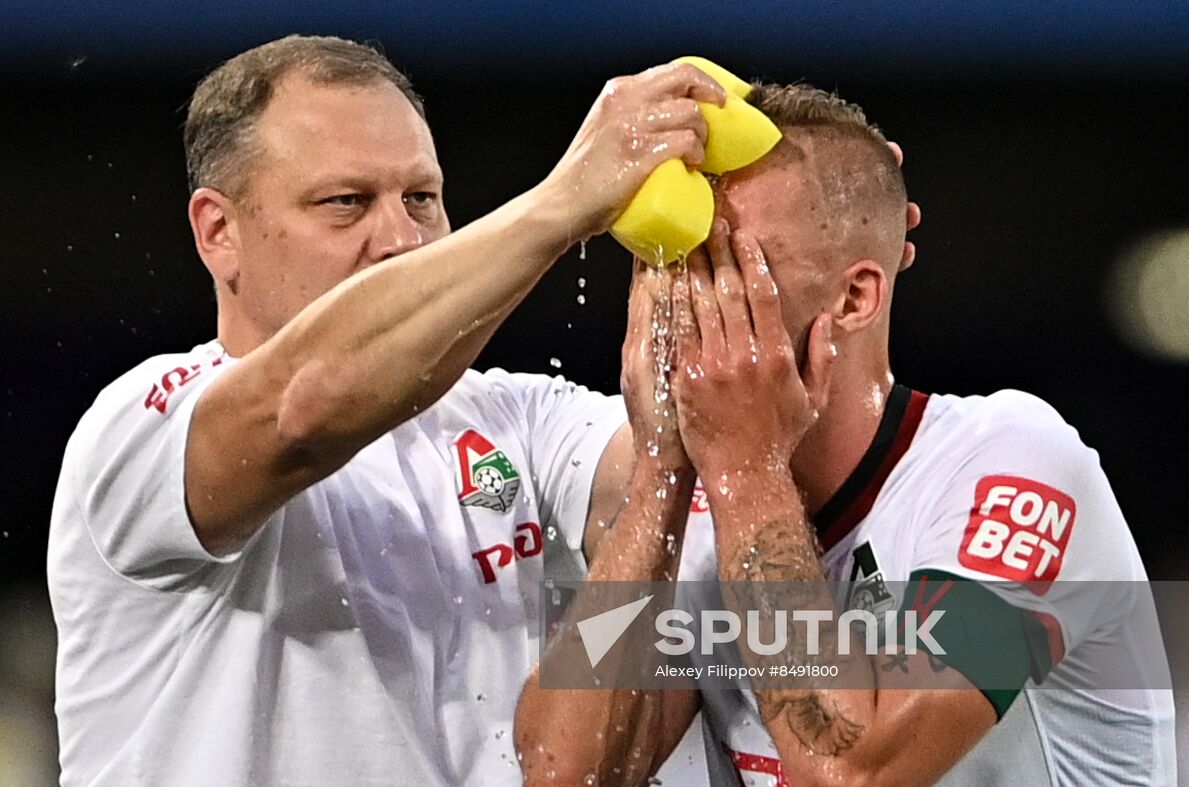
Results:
<point x="857" y="171"/>
<point x="219" y="139"/>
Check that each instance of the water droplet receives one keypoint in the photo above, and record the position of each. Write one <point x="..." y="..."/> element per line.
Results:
<point x="69" y="247"/>
<point x="555" y="363"/>
<point x="499" y="734"/>
<point x="581" y="282"/>
<point x="344" y="600"/>
<point x="576" y="462"/>
<point x="590" y="779"/>
<point x="4" y="533"/>
<point x="582" y="249"/>
<point x="551" y="533"/>
<point x="581" y="299"/>
<point x="487" y="611"/>
<point x="481" y="697"/>
<point x="134" y="198"/>
<point x="551" y="775"/>
<point x="458" y="600"/>
<point x="569" y="326"/>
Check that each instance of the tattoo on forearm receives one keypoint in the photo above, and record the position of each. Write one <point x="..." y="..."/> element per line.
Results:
<point x="817" y="722"/>
<point x="788" y="552"/>
<point x="779" y="553"/>
<point x="937" y="664"/>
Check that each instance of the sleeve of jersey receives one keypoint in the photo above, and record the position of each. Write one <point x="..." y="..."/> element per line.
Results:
<point x="568" y="428"/>
<point x="129" y="459"/>
<point x="1006" y="551"/>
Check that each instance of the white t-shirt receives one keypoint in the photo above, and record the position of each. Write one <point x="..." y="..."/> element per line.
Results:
<point x="998" y="489"/>
<point x="377" y="630"/>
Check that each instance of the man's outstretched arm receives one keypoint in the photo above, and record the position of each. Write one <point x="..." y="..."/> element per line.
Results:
<point x="388" y="342"/>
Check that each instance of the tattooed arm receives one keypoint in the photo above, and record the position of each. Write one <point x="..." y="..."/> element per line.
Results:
<point x="743" y="408"/>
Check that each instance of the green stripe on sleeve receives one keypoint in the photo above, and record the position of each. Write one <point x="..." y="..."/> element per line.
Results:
<point x="995" y="645"/>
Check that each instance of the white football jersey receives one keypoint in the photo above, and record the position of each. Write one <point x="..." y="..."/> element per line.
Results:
<point x="998" y="489"/>
<point x="377" y="630"/>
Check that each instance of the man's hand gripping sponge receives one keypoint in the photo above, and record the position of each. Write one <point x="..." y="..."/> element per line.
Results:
<point x="672" y="212"/>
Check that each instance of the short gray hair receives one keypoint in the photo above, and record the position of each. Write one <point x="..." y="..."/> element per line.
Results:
<point x="229" y="100"/>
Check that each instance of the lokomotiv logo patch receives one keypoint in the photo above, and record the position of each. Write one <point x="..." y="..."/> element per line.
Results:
<point x="485" y="475"/>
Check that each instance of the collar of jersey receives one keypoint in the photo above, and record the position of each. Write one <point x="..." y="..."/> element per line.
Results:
<point x="854" y="499"/>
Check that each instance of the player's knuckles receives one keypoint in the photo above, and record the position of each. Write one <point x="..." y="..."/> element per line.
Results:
<point x="615" y="90"/>
<point x="777" y="367"/>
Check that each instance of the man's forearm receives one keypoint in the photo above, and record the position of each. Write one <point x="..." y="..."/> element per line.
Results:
<point x="396" y="337"/>
<point x="611" y="735"/>
<point x="366" y="356"/>
<point x="764" y="536"/>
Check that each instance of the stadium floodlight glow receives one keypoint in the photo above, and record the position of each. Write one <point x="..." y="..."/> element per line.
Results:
<point x="1148" y="293"/>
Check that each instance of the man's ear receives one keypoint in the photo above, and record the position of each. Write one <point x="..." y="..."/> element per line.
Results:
<point x="864" y="296"/>
<point x="216" y="234"/>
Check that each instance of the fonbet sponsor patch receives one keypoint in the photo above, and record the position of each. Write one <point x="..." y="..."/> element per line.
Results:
<point x="1018" y="530"/>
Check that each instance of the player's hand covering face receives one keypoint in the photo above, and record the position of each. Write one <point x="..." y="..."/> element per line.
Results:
<point x="649" y="355"/>
<point x="740" y="397"/>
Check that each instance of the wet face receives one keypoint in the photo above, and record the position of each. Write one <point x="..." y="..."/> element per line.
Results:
<point x="346" y="176"/>
<point x="779" y="202"/>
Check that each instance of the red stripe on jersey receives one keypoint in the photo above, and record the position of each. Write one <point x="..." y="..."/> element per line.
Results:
<point x="757" y="763"/>
<point x="1056" y="639"/>
<point x="860" y="506"/>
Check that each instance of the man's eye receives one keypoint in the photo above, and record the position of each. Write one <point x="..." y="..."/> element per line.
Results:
<point x="420" y="198"/>
<point x="345" y="200"/>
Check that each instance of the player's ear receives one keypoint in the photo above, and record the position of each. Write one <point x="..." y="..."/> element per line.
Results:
<point x="216" y="234"/>
<point x="863" y="298"/>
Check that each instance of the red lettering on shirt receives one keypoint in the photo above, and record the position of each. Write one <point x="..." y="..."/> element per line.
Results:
<point x="171" y="381"/>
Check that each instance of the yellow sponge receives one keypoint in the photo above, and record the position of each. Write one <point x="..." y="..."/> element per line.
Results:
<point x="737" y="135"/>
<point x="669" y="216"/>
<point x="672" y="213"/>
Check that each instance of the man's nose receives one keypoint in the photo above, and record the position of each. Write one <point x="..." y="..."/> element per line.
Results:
<point x="395" y="231"/>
